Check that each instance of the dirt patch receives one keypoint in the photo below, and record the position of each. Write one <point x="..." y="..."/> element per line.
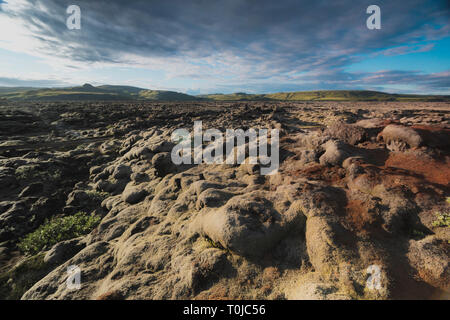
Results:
<point x="330" y="175"/>
<point x="433" y="171"/>
<point x="356" y="214"/>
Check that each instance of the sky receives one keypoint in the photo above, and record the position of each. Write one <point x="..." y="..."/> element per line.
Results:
<point x="225" y="46"/>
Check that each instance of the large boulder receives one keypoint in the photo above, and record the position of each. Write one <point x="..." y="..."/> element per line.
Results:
<point x="400" y="138"/>
<point x="348" y="133"/>
<point x="249" y="225"/>
<point x="335" y="153"/>
<point x="134" y="194"/>
<point x="122" y="172"/>
<point x="63" y="251"/>
<point x="163" y="163"/>
<point x="429" y="257"/>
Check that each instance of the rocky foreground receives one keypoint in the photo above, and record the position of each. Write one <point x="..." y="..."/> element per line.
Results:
<point x="359" y="208"/>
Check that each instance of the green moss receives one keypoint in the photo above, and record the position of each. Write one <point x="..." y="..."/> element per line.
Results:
<point x="207" y="242"/>
<point x="97" y="195"/>
<point x="212" y="244"/>
<point x="442" y="220"/>
<point x="30" y="172"/>
<point x="57" y="230"/>
<point x="417" y="234"/>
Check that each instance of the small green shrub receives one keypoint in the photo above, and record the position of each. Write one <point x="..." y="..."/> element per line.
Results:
<point x="442" y="220"/>
<point x="213" y="244"/>
<point x="417" y="234"/>
<point x="57" y="230"/>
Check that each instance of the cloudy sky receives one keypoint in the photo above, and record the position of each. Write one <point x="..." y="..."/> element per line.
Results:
<point x="209" y="46"/>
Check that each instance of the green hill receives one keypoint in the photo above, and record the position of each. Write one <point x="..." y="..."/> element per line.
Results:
<point x="125" y="90"/>
<point x="159" y="95"/>
<point x="238" y="96"/>
<point x="4" y="90"/>
<point x="326" y="95"/>
<point x="88" y="92"/>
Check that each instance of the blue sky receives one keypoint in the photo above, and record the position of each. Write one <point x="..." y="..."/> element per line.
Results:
<point x="256" y="46"/>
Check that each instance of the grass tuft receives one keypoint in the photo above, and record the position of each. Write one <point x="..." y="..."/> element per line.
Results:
<point x="442" y="220"/>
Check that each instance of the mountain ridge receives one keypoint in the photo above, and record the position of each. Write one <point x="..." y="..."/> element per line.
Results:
<point x="119" y="92"/>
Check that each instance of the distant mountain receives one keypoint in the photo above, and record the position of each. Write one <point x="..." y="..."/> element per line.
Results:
<point x="14" y="89"/>
<point x="159" y="95"/>
<point x="88" y="92"/>
<point x="122" y="89"/>
<point x="238" y="96"/>
<point x="325" y="95"/>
